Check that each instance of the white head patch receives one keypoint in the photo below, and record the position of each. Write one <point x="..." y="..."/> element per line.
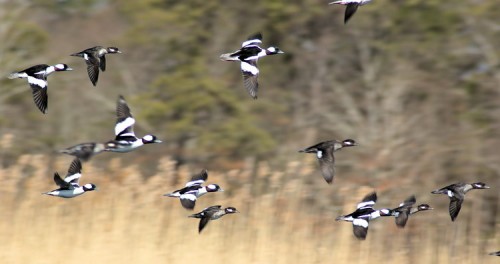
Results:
<point x="148" y="138"/>
<point x="319" y="153"/>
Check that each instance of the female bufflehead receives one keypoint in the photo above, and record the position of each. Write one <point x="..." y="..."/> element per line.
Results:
<point x="37" y="79"/>
<point x="456" y="192"/>
<point x="495" y="253"/>
<point x="69" y="187"/>
<point x="84" y="151"/>
<point x="351" y="7"/>
<point x="363" y="214"/>
<point x="324" y="153"/>
<point x="95" y="59"/>
<point x="406" y="209"/>
<point x="212" y="213"/>
<point x="194" y="190"/>
<point x="125" y="139"/>
<point x="248" y="55"/>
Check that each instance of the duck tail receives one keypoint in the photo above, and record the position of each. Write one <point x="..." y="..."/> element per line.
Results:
<point x="228" y="57"/>
<point x="13" y="75"/>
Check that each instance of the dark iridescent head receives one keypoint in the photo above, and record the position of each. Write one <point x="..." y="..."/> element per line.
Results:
<point x="148" y="139"/>
<point x="231" y="210"/>
<point x="62" y="67"/>
<point x="89" y="187"/>
<point x="349" y="143"/>
<point x="214" y="188"/>
<point x="273" y="51"/>
<point x="423" y="207"/>
<point x="480" y="185"/>
<point x="113" y="50"/>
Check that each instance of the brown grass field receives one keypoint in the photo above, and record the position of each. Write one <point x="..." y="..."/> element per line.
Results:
<point x="283" y="219"/>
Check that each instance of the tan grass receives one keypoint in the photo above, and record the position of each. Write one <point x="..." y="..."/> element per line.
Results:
<point x="283" y="219"/>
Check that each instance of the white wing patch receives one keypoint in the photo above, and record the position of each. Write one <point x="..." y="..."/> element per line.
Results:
<point x="120" y="127"/>
<point x="360" y="222"/>
<point x="38" y="82"/>
<point x="247" y="67"/>
<point x="189" y="196"/>
<point x="197" y="182"/>
<point x="73" y="177"/>
<point x="366" y="204"/>
<point x="251" y="42"/>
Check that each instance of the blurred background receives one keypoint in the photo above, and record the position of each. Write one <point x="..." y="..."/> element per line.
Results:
<point x="415" y="82"/>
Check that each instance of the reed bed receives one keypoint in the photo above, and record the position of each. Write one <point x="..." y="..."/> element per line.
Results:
<point x="284" y="219"/>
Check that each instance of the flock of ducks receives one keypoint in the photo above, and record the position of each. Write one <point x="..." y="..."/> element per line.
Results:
<point x="125" y="140"/>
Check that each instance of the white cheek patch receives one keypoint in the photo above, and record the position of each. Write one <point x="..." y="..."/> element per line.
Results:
<point x="360" y="222"/>
<point x="247" y="67"/>
<point x="38" y="82"/>
<point x="450" y="194"/>
<point x="148" y="138"/>
<point x="85" y="56"/>
<point x="120" y="127"/>
<point x="319" y="154"/>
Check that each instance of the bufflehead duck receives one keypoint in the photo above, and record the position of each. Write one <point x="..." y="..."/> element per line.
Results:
<point x="456" y="192"/>
<point x="406" y="209"/>
<point x="69" y="187"/>
<point x="125" y="139"/>
<point x="495" y="253"/>
<point x="363" y="214"/>
<point x="37" y="79"/>
<point x="84" y="151"/>
<point x="248" y="55"/>
<point x="95" y="59"/>
<point x="324" y="153"/>
<point x="351" y="7"/>
<point x="212" y="213"/>
<point x="194" y="190"/>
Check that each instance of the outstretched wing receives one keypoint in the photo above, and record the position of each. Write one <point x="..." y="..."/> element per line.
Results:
<point x="250" y="77"/>
<point x="455" y="205"/>
<point x="39" y="94"/>
<point x="360" y="228"/>
<point x="125" y="121"/>
<point x="92" y="68"/>
<point x="61" y="183"/>
<point x="102" y="63"/>
<point x="368" y="201"/>
<point x="198" y="179"/>
<point x="350" y="9"/>
<point x="254" y="39"/>
<point x="74" y="172"/>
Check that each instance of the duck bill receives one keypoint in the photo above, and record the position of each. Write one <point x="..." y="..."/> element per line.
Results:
<point x="157" y="141"/>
